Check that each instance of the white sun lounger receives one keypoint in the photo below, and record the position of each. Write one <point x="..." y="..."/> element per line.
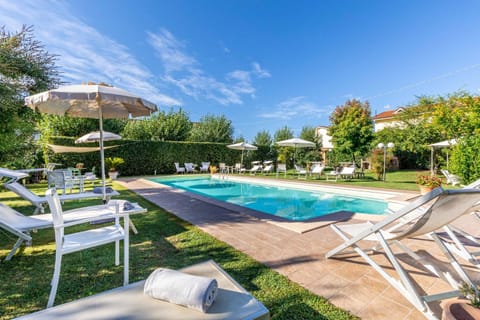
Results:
<point x="39" y="202"/>
<point x="21" y="225"/>
<point x="129" y="302"/>
<point x="423" y="216"/>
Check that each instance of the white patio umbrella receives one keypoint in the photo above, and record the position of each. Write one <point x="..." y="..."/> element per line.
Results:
<point x="438" y="145"/>
<point x="296" y="143"/>
<point x="242" y="146"/>
<point x="97" y="101"/>
<point x="95" y="137"/>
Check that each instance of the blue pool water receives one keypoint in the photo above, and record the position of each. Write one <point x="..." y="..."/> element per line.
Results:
<point x="291" y="204"/>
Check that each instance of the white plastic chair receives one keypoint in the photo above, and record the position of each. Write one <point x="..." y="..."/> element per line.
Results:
<point x="189" y="167"/>
<point x="68" y="243"/>
<point x="423" y="216"/>
<point x="204" y="167"/>
<point x="178" y="168"/>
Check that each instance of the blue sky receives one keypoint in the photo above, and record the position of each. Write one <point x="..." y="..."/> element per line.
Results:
<point x="262" y="64"/>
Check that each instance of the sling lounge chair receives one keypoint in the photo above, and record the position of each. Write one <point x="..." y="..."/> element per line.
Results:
<point x="38" y="201"/>
<point x="256" y="167"/>
<point x="129" y="302"/>
<point x="317" y="168"/>
<point x="457" y="239"/>
<point x="451" y="178"/>
<point x="282" y="167"/>
<point x="21" y="225"/>
<point x="268" y="167"/>
<point x="344" y="173"/>
<point x="301" y="172"/>
<point x="423" y="216"/>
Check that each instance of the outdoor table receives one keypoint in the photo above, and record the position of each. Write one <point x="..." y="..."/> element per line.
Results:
<point x="126" y="225"/>
<point x="36" y="173"/>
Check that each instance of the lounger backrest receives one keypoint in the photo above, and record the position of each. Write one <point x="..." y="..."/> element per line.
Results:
<point x="448" y="206"/>
<point x="57" y="213"/>
<point x="15" y="222"/>
<point x="473" y="185"/>
<point x="12" y="174"/>
<point x="348" y="170"/>
<point x="281" y="167"/>
<point x="23" y="192"/>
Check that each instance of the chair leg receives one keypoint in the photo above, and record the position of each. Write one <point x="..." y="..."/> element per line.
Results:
<point x="117" y="252"/>
<point x="14" y="249"/>
<point x="55" y="279"/>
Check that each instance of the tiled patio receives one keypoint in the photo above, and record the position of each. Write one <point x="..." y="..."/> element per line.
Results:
<point x="349" y="282"/>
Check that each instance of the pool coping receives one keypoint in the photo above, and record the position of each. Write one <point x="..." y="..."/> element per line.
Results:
<point x="393" y="198"/>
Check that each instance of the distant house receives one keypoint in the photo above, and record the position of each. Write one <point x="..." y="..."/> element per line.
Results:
<point x="387" y="119"/>
<point x="322" y="131"/>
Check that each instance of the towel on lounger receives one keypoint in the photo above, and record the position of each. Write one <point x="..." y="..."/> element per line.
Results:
<point x="100" y="190"/>
<point x="123" y="205"/>
<point x="180" y="288"/>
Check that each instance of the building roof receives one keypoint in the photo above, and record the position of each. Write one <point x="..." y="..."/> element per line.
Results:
<point x="388" y="113"/>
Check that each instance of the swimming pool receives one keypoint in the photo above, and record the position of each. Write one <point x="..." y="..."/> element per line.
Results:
<point x="288" y="203"/>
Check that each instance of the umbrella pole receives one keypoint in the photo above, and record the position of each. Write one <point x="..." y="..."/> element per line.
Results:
<point x="241" y="160"/>
<point x="102" y="156"/>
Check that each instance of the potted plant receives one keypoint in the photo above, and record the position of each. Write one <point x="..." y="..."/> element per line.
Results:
<point x="112" y="163"/>
<point x="427" y="183"/>
<point x="463" y="308"/>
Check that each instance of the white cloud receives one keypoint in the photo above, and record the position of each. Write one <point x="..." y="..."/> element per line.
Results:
<point x="185" y="72"/>
<point x="259" y="72"/>
<point x="84" y="54"/>
<point x="295" y="108"/>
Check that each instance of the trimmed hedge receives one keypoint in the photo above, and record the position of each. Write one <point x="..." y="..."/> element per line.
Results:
<point x="148" y="157"/>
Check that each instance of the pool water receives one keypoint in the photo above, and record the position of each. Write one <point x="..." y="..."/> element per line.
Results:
<point x="292" y="204"/>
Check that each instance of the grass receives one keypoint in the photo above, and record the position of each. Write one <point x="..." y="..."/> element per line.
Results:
<point x="163" y="241"/>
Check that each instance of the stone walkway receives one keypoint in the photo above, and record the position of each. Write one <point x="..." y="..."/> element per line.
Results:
<point x="348" y="282"/>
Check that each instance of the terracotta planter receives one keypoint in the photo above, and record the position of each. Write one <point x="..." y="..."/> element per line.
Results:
<point x="459" y="309"/>
<point x="425" y="189"/>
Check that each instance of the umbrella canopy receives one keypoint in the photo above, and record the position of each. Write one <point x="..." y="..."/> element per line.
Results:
<point x="438" y="145"/>
<point x="296" y="143"/>
<point x="91" y="101"/>
<point x="443" y="144"/>
<point x="95" y="137"/>
<point x="242" y="146"/>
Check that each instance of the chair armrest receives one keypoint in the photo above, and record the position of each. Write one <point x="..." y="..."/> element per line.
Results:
<point x="85" y="220"/>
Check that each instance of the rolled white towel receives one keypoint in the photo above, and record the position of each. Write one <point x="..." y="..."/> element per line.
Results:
<point x="180" y="288"/>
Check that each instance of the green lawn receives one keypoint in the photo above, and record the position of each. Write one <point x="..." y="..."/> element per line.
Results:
<point x="163" y="241"/>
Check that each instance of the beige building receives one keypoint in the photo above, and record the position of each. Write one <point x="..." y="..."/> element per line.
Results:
<point x="327" y="145"/>
<point x="387" y="119"/>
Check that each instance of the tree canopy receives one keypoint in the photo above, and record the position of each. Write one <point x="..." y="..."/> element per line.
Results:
<point x="263" y="138"/>
<point x="352" y="128"/>
<point x="25" y="68"/>
<point x="212" y="128"/>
